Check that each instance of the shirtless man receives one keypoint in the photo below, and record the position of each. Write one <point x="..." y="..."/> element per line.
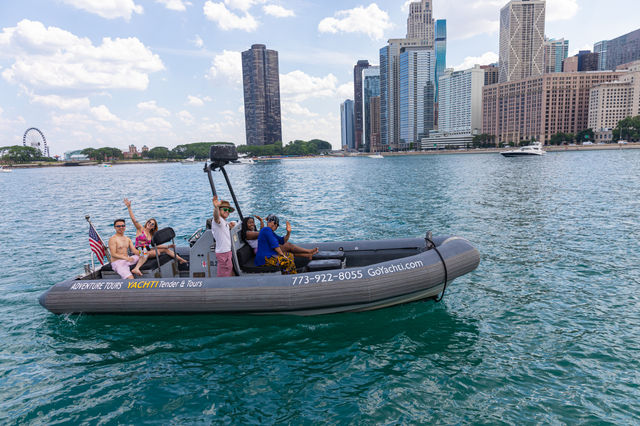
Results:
<point x="121" y="262"/>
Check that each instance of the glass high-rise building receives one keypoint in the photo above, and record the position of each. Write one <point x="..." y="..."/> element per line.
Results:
<point x="555" y="51"/>
<point x="623" y="49"/>
<point x="370" y="89"/>
<point x="601" y="49"/>
<point x="417" y="91"/>
<point x="261" y="82"/>
<point x="521" y="40"/>
<point x="347" y="125"/>
<point x="357" y="97"/>
<point x="441" y="50"/>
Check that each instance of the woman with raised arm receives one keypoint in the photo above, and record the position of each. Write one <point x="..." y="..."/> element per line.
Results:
<point x="249" y="234"/>
<point x="144" y="234"/>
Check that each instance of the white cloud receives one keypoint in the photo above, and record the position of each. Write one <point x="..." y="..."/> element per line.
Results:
<point x="102" y="113"/>
<point x="484" y="59"/>
<point x="177" y="5"/>
<point x="243" y="5"/>
<point x="158" y="123"/>
<point x="561" y="10"/>
<point x="109" y="9"/>
<point x="186" y="117"/>
<point x="194" y="101"/>
<point x="60" y="102"/>
<point x="294" y="108"/>
<point x="277" y="11"/>
<point x="198" y="42"/>
<point x="55" y="58"/>
<point x="371" y="21"/>
<point x="229" y="65"/>
<point x="325" y="127"/>
<point x="345" y="91"/>
<point x="227" y="20"/>
<point x="153" y="107"/>
<point x="298" y="86"/>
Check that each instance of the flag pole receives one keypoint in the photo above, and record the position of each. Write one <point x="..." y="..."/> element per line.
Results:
<point x="106" y="249"/>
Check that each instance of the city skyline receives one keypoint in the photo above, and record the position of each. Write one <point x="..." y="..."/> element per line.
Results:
<point x="90" y="74"/>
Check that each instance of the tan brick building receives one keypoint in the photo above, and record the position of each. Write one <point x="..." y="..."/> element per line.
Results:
<point x="538" y="107"/>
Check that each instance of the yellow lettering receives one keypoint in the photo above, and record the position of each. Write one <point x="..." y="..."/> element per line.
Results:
<point x="132" y="284"/>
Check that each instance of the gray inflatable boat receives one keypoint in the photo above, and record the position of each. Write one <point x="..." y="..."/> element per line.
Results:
<point x="346" y="276"/>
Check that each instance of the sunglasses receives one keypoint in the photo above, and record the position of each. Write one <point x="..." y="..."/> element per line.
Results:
<point x="120" y="226"/>
<point x="226" y="209"/>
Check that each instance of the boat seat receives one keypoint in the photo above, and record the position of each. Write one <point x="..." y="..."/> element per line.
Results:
<point x="148" y="266"/>
<point x="246" y="260"/>
<point x="324" y="264"/>
<point x="321" y="255"/>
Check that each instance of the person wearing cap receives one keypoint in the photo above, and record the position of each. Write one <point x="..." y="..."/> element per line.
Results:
<point x="269" y="251"/>
<point x="220" y="228"/>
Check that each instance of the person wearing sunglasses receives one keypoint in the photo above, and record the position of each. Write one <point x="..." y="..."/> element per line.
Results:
<point x="144" y="234"/>
<point x="119" y="245"/>
<point x="220" y="229"/>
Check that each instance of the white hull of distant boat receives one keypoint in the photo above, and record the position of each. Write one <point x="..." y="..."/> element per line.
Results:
<point x="243" y="161"/>
<point x="375" y="156"/>
<point x="5" y="170"/>
<point x="534" y="149"/>
<point x="191" y="160"/>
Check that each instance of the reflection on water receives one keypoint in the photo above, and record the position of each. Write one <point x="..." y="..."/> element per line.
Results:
<point x="547" y="328"/>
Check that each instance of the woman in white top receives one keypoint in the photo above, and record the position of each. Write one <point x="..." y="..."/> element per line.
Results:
<point x="249" y="233"/>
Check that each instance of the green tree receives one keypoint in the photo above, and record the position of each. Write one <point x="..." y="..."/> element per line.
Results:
<point x="20" y="154"/>
<point x="585" y="135"/>
<point x="159" y="153"/>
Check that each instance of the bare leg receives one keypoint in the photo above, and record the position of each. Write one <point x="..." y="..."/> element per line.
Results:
<point x="141" y="261"/>
<point x="299" y="251"/>
<point x="167" y="250"/>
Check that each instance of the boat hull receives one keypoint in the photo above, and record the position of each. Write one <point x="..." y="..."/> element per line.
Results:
<point x="354" y="289"/>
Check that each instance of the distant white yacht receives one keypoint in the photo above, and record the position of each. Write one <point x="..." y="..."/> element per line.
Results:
<point x="375" y="156"/>
<point x="529" y="150"/>
<point x="5" y="170"/>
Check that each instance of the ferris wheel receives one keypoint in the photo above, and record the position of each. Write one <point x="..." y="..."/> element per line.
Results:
<point x="35" y="138"/>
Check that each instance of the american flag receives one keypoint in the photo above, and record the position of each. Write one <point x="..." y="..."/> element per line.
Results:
<point x="97" y="246"/>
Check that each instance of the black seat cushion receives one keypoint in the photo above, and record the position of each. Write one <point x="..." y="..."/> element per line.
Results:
<point x="246" y="259"/>
<point x="323" y="265"/>
<point x="329" y="255"/>
<point x="162" y="236"/>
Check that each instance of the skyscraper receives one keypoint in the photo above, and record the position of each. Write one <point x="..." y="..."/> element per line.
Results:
<point x="623" y="49"/>
<point x="601" y="49"/>
<point x="420" y="22"/>
<point x="555" y="51"/>
<point x="347" y="125"/>
<point x="420" y="35"/>
<point x="261" y="81"/>
<point x="417" y="91"/>
<point x="521" y="39"/>
<point x="357" y="97"/>
<point x="370" y="89"/>
<point x="441" y="50"/>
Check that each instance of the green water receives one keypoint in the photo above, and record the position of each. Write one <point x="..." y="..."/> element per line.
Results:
<point x="546" y="330"/>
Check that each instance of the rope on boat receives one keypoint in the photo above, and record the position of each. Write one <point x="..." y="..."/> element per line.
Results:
<point x="432" y="245"/>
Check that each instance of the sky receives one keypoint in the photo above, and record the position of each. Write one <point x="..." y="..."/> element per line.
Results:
<point x="95" y="73"/>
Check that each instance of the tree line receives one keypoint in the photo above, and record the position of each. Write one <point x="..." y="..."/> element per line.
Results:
<point x="297" y="147"/>
<point x="18" y="154"/>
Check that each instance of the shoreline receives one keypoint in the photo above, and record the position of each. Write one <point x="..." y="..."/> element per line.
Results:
<point x="548" y="148"/>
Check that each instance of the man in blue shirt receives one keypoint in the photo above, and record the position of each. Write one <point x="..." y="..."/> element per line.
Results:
<point x="269" y="251"/>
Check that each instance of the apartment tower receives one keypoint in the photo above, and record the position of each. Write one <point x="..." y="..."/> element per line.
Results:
<point x="521" y="40"/>
<point x="358" y="112"/>
<point x="261" y="82"/>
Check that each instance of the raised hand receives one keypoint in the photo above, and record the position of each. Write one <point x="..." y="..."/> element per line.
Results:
<point x="216" y="202"/>
<point x="288" y="227"/>
<point x="127" y="202"/>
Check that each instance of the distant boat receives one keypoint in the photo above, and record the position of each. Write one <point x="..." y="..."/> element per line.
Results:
<point x="5" y="170"/>
<point x="189" y="160"/>
<point x="106" y="165"/>
<point x="375" y="156"/>
<point x="243" y="161"/>
<point x="530" y="150"/>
